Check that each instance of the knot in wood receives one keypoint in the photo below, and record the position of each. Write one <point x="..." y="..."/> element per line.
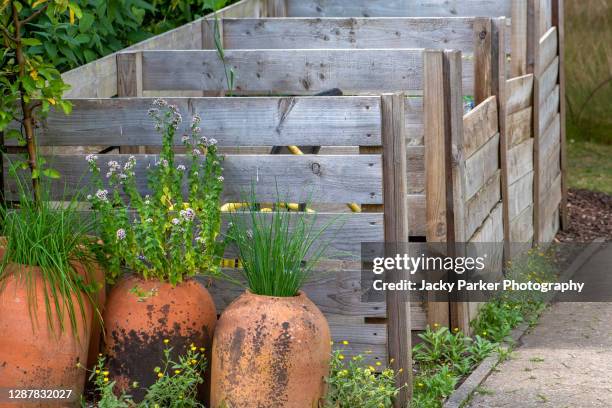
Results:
<point x="483" y="34"/>
<point x="316" y="168"/>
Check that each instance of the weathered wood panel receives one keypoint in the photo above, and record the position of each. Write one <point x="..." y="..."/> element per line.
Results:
<point x="480" y="125"/>
<point x="481" y="166"/>
<point x="519" y="92"/>
<point x="521" y="227"/>
<point x="415" y="159"/>
<point x="548" y="79"/>
<point x="481" y="204"/>
<point x="518" y="39"/>
<point x="416" y="215"/>
<point x="549" y="108"/>
<point x="308" y="33"/>
<point x="549" y="140"/>
<point x="520" y="160"/>
<point x="98" y="79"/>
<point x="549" y="207"/>
<point x="520" y="195"/>
<point x="548" y="47"/>
<point x="492" y="229"/>
<point x="331" y="121"/>
<point x="520" y="126"/>
<point x="321" y="178"/>
<point x="398" y="8"/>
<point x="414" y="121"/>
<point x="299" y="72"/>
<point x="550" y="168"/>
<point x="545" y="16"/>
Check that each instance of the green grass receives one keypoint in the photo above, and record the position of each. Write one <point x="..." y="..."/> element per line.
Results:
<point x="589" y="165"/>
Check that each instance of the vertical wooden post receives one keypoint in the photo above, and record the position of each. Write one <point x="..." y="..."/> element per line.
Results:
<point x="499" y="90"/>
<point x="558" y="21"/>
<point x="455" y="173"/>
<point x="518" y="40"/>
<point x="129" y="83"/>
<point x="277" y="8"/>
<point x="435" y="173"/>
<point x="395" y="193"/>
<point x="482" y="59"/>
<point x="533" y="31"/>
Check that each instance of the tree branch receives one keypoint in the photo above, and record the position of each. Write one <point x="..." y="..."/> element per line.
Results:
<point x="34" y="14"/>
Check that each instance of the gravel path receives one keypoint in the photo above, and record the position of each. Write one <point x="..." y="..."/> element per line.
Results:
<point x="565" y="361"/>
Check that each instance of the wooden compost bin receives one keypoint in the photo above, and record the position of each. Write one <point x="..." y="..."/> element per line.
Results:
<point x="374" y="176"/>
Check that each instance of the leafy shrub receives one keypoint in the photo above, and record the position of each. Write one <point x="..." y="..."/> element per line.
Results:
<point x="356" y="384"/>
<point x="173" y="234"/>
<point x="431" y="389"/>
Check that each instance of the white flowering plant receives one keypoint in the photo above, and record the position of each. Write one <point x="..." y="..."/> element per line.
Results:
<point x="172" y="232"/>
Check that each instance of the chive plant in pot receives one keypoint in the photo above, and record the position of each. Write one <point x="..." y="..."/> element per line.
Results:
<point x="153" y="245"/>
<point x="272" y="345"/>
<point x="48" y="288"/>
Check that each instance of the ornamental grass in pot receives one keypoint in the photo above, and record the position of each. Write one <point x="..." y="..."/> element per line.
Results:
<point x="153" y="245"/>
<point x="49" y="287"/>
<point x="272" y="344"/>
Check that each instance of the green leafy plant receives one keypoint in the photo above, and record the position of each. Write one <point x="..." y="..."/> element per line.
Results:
<point x="278" y="249"/>
<point x="50" y="237"/>
<point x="169" y="14"/>
<point x="431" y="389"/>
<point x="355" y="383"/>
<point x="168" y="234"/>
<point x="176" y="385"/>
<point x="29" y="84"/>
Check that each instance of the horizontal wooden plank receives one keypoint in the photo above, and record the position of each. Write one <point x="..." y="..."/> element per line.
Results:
<point x="550" y="168"/>
<point x="548" y="79"/>
<point x="309" y="33"/>
<point x="296" y="72"/>
<point x="479" y="125"/>
<point x="520" y="195"/>
<point x="549" y="46"/>
<point x="521" y="227"/>
<point x="550" y="139"/>
<point x="398" y="8"/>
<point x="265" y="121"/>
<point x="549" y="210"/>
<point x="415" y="161"/>
<point x="481" y="166"/>
<point x="321" y="178"/>
<point x="519" y="126"/>
<point x="549" y="107"/>
<point x="519" y="92"/>
<point x="98" y="79"/>
<point x="520" y="160"/>
<point x="492" y="229"/>
<point x="481" y="204"/>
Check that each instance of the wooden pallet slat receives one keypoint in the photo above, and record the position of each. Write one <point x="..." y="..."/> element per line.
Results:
<point x="480" y="125"/>
<point x="519" y="91"/>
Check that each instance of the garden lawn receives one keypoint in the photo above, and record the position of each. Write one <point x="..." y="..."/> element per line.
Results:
<point x="589" y="165"/>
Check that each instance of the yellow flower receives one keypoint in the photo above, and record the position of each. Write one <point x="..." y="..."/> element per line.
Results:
<point x="202" y="349"/>
<point x="484" y="333"/>
<point x="34" y="74"/>
<point x="193" y="348"/>
<point x="436" y="325"/>
<point x="371" y="368"/>
<point x="421" y="384"/>
<point x="166" y="341"/>
<point x="345" y="342"/>
<point x="378" y="364"/>
<point x="456" y="329"/>
<point x="97" y="371"/>
<point x="340" y="356"/>
<point x="194" y="362"/>
<point x="105" y="373"/>
<point x="177" y="371"/>
<point x="105" y="379"/>
<point x="51" y="101"/>
<point x="160" y="375"/>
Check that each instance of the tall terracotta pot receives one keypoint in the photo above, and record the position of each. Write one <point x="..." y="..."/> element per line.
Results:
<point x="32" y="355"/>
<point x="141" y="314"/>
<point x="270" y="352"/>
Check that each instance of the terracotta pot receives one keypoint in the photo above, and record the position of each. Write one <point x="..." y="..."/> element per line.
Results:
<point x="270" y="352"/>
<point x="140" y="314"/>
<point x="32" y="355"/>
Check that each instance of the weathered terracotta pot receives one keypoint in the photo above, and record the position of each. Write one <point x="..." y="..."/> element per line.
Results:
<point x="140" y="314"/>
<point x="270" y="352"/>
<point x="32" y="355"/>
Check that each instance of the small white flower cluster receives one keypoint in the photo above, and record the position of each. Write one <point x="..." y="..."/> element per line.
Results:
<point x="188" y="214"/>
<point x="121" y="234"/>
<point x="113" y="168"/>
<point x="91" y="158"/>
<point x="102" y="195"/>
<point x="181" y="167"/>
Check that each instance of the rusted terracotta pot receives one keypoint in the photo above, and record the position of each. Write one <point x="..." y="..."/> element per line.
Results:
<point x="140" y="314"/>
<point x="32" y="355"/>
<point x="270" y="352"/>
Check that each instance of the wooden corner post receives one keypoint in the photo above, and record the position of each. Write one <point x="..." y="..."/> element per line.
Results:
<point x="533" y="43"/>
<point x="395" y="193"/>
<point x="498" y="51"/>
<point x="129" y="83"/>
<point x="435" y="173"/>
<point x="455" y="173"/>
<point x="558" y="21"/>
<point x="483" y="81"/>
